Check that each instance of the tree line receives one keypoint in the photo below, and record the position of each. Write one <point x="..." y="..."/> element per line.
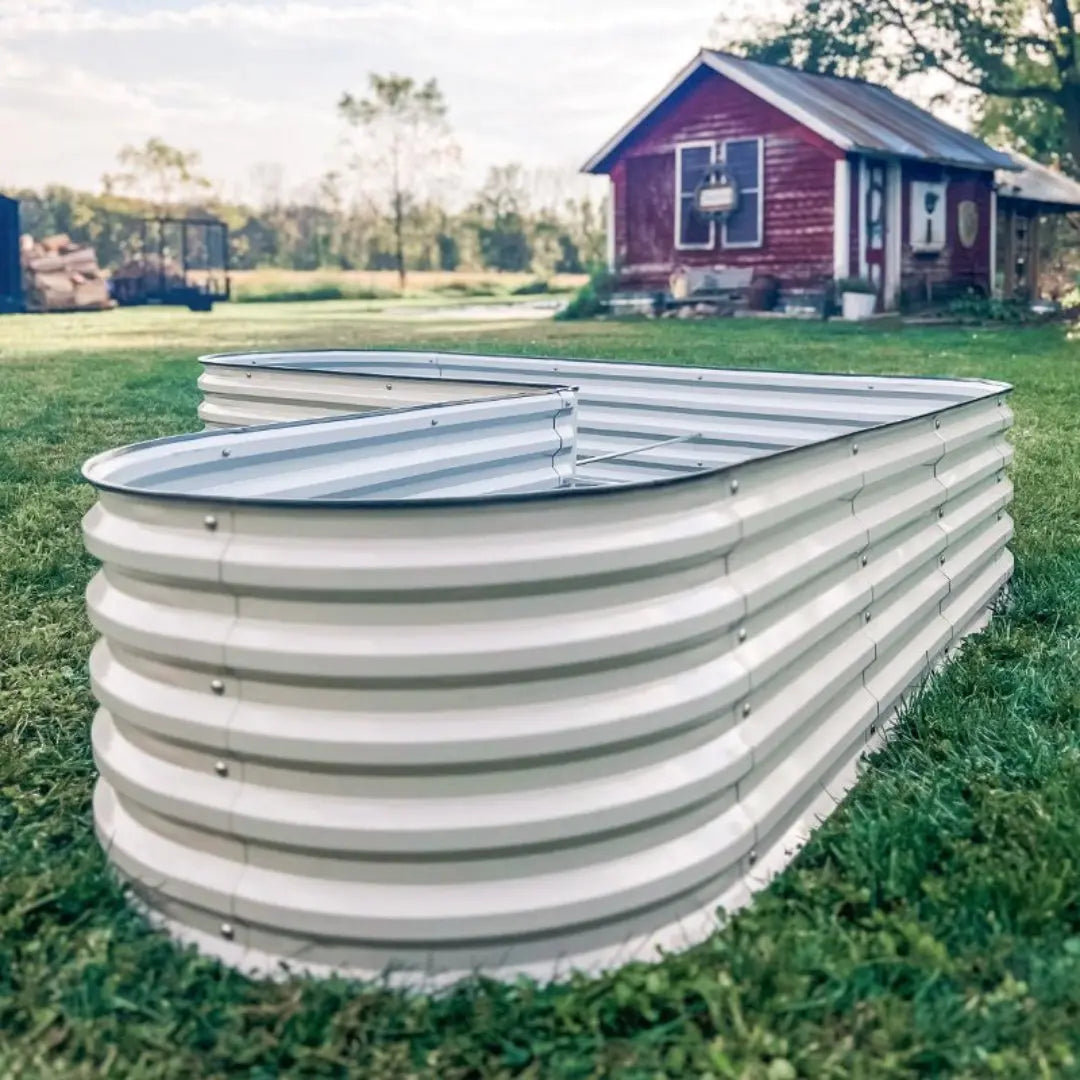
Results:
<point x="385" y="209"/>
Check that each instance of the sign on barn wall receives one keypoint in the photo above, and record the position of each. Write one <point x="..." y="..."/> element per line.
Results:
<point x="967" y="218"/>
<point x="717" y="196"/>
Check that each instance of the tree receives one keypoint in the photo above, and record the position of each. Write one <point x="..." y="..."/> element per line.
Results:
<point x="499" y="214"/>
<point x="1025" y="52"/>
<point x="158" y="172"/>
<point x="406" y="140"/>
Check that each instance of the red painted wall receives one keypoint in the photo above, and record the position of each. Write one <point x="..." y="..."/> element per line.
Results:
<point x="799" y="176"/>
<point x="956" y="268"/>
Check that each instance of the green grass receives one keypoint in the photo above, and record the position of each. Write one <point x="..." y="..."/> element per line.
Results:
<point x="931" y="927"/>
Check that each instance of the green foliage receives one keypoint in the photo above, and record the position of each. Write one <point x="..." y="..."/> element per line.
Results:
<point x="977" y="308"/>
<point x="592" y="298"/>
<point x="931" y="928"/>
<point x="1024" y="51"/>
<point x="159" y="173"/>
<point x="856" y="285"/>
<point x="317" y="290"/>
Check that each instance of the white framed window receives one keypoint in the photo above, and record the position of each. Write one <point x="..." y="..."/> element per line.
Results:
<point x="745" y="161"/>
<point x="693" y="232"/>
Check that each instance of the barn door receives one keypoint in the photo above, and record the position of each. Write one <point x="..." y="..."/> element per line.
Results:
<point x="874" y="217"/>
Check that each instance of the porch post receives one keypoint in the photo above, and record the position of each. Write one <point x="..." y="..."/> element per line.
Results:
<point x="842" y="219"/>
<point x="993" y="290"/>
<point x="1009" y="252"/>
<point x="1034" y="260"/>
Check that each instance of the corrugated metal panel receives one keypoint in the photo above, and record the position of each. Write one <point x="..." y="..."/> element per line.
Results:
<point x="534" y="734"/>
<point x="507" y="444"/>
<point x="1038" y="183"/>
<point x="850" y="113"/>
<point x="724" y="417"/>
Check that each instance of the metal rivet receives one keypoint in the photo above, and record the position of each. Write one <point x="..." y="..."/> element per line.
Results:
<point x="221" y="768"/>
<point x="864" y="560"/>
<point x="752" y="857"/>
<point x="1001" y="401"/>
<point x="700" y="377"/>
<point x="434" y="423"/>
<point x="742" y="633"/>
<point x="866" y="616"/>
<point x="998" y="479"/>
<point x="225" y="452"/>
<point x="227" y="931"/>
<point x="389" y="386"/>
<point x="1000" y="514"/>
<point x="746" y="708"/>
<point x="873" y="729"/>
<point x="937" y="422"/>
<point x="217" y="686"/>
<point x="700" y="464"/>
<point x="247" y="374"/>
<point x="854" y="447"/>
<point x="941" y="559"/>
<point x="941" y="511"/>
<point x="734" y="486"/>
<point x="210" y="522"/>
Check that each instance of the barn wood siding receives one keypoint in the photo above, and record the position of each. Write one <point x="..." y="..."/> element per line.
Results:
<point x="797" y="244"/>
<point x="956" y="268"/>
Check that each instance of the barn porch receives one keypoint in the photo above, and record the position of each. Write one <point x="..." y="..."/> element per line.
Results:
<point x="1036" y="208"/>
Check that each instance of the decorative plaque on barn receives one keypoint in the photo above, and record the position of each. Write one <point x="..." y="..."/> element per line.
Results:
<point x="967" y="220"/>
<point x="717" y="195"/>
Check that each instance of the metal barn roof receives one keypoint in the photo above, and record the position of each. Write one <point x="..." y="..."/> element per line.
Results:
<point x="851" y="114"/>
<point x="1039" y="183"/>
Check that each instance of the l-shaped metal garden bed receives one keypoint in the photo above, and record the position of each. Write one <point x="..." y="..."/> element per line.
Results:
<point x="512" y="664"/>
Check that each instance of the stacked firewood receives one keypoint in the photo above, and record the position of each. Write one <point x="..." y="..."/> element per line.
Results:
<point x="59" y="275"/>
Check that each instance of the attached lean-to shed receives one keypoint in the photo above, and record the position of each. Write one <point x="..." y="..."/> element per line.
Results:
<point x="829" y="178"/>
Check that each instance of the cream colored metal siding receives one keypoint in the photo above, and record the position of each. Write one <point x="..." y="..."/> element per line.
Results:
<point x="528" y="735"/>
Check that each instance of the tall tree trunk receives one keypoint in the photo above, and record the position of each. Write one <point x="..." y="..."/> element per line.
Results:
<point x="399" y="237"/>
<point x="1070" y="106"/>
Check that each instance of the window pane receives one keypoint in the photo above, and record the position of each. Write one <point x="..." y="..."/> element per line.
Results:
<point x="695" y="164"/>
<point x="741" y="159"/>
<point x="742" y="226"/>
<point x="693" y="228"/>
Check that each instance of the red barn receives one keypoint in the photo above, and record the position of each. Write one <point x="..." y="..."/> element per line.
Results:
<point x="835" y="177"/>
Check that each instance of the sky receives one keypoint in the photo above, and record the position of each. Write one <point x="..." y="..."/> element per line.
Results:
<point x="252" y="84"/>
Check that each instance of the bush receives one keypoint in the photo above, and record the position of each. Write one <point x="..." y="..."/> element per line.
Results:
<point x="318" y="290"/>
<point x="856" y="285"/>
<point x="975" y="307"/>
<point x="592" y="298"/>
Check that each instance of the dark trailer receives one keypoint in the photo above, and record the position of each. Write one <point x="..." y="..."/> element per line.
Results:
<point x="11" y="292"/>
<point x="181" y="261"/>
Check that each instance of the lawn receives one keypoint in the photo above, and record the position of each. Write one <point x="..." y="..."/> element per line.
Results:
<point x="931" y="927"/>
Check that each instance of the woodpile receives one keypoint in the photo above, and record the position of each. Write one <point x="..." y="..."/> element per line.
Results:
<point x="59" y="275"/>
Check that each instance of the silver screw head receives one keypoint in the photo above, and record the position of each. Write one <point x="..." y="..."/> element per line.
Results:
<point x="227" y="931"/>
<point x="941" y="511"/>
<point x="866" y="616"/>
<point x="752" y="857"/>
<point x="854" y="447"/>
<point x="225" y="451"/>
<point x="217" y="686"/>
<point x="937" y="422"/>
<point x="864" y="560"/>
<point x="742" y="633"/>
<point x="746" y="708"/>
<point x="434" y="423"/>
<point x="221" y="768"/>
<point x="941" y="560"/>
<point x="210" y="522"/>
<point x="734" y="486"/>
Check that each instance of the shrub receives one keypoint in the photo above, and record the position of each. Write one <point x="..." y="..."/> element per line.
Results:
<point x="975" y="307"/>
<point x="592" y="298"/>
<point x="468" y="288"/>
<point x="855" y="285"/>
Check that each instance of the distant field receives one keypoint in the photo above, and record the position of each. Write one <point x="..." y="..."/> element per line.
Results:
<point x="291" y="285"/>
